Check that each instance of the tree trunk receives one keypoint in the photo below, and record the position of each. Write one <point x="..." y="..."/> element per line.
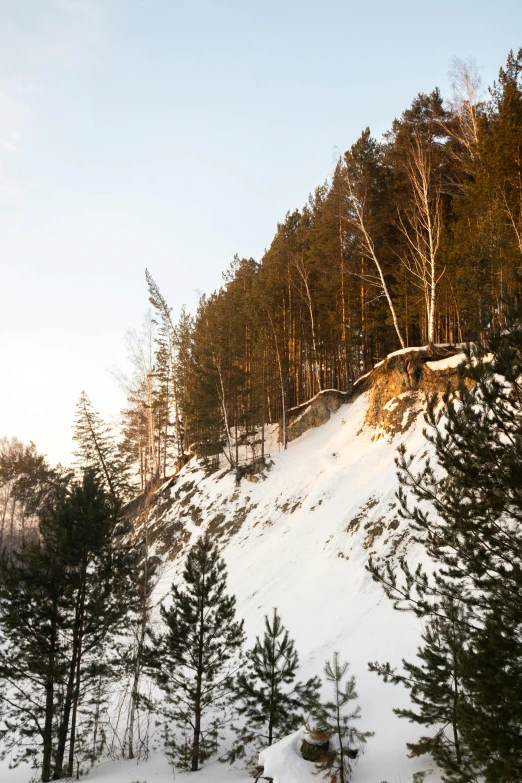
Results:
<point x="69" y="692"/>
<point x="359" y="222"/>
<point x="456" y="699"/>
<point x="340" y="735"/>
<point x="221" y="390"/>
<point x="76" y="697"/>
<point x="197" y="733"/>
<point x="199" y="682"/>
<point x="271" y="715"/>
<point x="280" y="381"/>
<point x="137" y="664"/>
<point x="96" y="720"/>
<point x="49" y="705"/>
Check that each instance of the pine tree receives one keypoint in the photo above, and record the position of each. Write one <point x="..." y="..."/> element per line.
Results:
<point x="269" y="700"/>
<point x="437" y="691"/>
<point x="467" y="514"/>
<point x="99" y="558"/>
<point x="97" y="449"/>
<point x="32" y="618"/>
<point x="330" y="719"/>
<point x="61" y="603"/>
<point x="167" y="360"/>
<point x="195" y="659"/>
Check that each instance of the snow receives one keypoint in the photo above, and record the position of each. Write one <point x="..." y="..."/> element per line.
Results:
<point x="284" y="763"/>
<point x="315" y="397"/>
<point x="448" y="363"/>
<point x="366" y="374"/>
<point x="155" y="770"/>
<point x="303" y="547"/>
<point x="295" y="551"/>
<point x="412" y="349"/>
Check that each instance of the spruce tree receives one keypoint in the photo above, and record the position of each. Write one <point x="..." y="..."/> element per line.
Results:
<point x="270" y="701"/>
<point x="195" y="659"/>
<point x="331" y="720"/>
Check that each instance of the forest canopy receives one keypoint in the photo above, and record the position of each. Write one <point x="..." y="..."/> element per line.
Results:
<point x="415" y="240"/>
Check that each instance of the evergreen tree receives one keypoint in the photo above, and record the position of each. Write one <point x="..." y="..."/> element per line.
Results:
<point x="468" y="514"/>
<point x="331" y="720"/>
<point x="61" y="601"/>
<point x="26" y="481"/>
<point x="271" y="703"/>
<point x="93" y="542"/>
<point x="32" y="618"/>
<point x="97" y="449"/>
<point x="195" y="659"/>
<point x="437" y="691"/>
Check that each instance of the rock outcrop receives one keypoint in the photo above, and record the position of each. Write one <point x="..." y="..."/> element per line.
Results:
<point x="314" y="412"/>
<point x="398" y="385"/>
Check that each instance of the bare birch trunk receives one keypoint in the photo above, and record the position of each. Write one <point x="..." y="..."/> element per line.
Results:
<point x="359" y="222"/>
<point x="421" y="228"/>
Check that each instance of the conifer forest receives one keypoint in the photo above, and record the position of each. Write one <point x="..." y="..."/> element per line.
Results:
<point x="416" y="240"/>
<point x="127" y="625"/>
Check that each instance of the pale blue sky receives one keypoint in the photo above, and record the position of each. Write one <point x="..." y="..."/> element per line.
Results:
<point x="172" y="134"/>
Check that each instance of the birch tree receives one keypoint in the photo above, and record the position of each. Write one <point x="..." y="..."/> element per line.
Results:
<point x="304" y="275"/>
<point x="465" y="105"/>
<point x="140" y="386"/>
<point x="358" y="218"/>
<point x="420" y="225"/>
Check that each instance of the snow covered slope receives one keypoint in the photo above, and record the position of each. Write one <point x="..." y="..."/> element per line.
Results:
<point x="300" y="540"/>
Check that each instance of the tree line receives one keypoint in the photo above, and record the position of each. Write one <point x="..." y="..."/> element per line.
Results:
<point x="415" y="240"/>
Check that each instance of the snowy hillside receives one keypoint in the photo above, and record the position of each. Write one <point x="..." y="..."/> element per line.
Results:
<point x="298" y="537"/>
<point x="300" y="540"/>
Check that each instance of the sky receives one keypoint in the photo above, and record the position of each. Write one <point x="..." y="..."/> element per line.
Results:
<point x="170" y="135"/>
